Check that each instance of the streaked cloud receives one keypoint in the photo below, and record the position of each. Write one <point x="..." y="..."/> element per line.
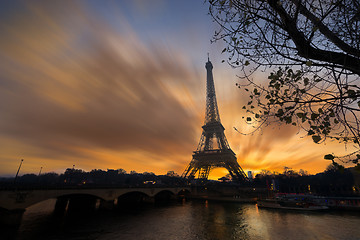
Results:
<point x="62" y="92"/>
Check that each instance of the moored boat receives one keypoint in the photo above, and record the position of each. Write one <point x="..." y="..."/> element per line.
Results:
<point x="292" y="202"/>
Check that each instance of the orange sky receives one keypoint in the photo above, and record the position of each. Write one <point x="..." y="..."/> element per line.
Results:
<point x="76" y="89"/>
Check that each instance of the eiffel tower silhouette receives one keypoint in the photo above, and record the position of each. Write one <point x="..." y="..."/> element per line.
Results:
<point x="213" y="150"/>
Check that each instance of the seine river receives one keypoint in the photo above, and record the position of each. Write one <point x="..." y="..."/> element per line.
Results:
<point x="189" y="220"/>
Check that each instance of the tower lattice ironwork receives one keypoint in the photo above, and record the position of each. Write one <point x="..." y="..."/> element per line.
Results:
<point x="213" y="150"/>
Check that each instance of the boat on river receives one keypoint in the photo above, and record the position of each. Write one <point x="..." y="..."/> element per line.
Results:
<point x="291" y="202"/>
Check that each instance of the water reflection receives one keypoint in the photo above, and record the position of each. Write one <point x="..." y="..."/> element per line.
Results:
<point x="190" y="220"/>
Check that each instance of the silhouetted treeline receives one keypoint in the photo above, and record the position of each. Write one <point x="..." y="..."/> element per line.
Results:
<point x="95" y="178"/>
<point x="331" y="182"/>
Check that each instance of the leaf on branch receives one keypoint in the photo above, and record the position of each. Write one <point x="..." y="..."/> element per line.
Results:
<point x="248" y="119"/>
<point x="351" y="93"/>
<point x="246" y="63"/>
<point x="306" y="81"/>
<point x="325" y="132"/>
<point x="316" y="138"/>
<point x="302" y="116"/>
<point x="280" y="113"/>
<point x="329" y="157"/>
<point x="311" y="132"/>
<point x="332" y="114"/>
<point x="288" y="119"/>
<point x="314" y="116"/>
<point x="308" y="63"/>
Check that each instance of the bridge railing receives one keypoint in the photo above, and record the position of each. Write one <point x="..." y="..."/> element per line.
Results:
<point x="84" y="186"/>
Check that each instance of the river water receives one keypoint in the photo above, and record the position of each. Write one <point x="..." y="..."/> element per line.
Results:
<point x="188" y="220"/>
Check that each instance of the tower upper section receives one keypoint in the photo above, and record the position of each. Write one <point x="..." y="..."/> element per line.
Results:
<point x="212" y="112"/>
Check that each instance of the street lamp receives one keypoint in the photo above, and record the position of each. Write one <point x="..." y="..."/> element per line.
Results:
<point x="17" y="173"/>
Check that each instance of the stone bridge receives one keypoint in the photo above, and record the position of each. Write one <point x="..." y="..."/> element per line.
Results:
<point x="13" y="203"/>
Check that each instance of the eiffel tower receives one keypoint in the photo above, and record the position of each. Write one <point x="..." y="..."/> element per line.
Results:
<point x="213" y="150"/>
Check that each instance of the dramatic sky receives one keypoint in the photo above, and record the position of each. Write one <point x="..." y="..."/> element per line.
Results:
<point x="121" y="84"/>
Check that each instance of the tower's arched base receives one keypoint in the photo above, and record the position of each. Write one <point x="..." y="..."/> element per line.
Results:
<point x="203" y="162"/>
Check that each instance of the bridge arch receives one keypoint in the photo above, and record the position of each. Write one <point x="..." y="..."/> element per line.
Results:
<point x="14" y="202"/>
<point x="131" y="199"/>
<point x="164" y="196"/>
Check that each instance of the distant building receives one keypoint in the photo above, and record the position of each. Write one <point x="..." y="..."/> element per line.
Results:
<point x="250" y="175"/>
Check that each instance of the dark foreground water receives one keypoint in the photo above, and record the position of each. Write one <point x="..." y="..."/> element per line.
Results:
<point x="189" y="220"/>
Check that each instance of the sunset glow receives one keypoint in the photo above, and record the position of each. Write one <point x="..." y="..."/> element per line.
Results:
<point x="122" y="85"/>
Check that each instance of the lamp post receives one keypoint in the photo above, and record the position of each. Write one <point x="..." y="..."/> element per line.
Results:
<point x="17" y="173"/>
<point x="72" y="174"/>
